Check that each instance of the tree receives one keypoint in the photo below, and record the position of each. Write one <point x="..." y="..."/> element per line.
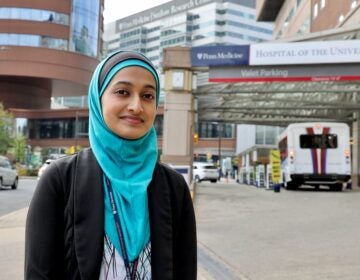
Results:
<point x="18" y="148"/>
<point x="6" y="129"/>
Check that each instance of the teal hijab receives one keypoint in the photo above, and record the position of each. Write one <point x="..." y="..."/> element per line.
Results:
<point x="129" y="164"/>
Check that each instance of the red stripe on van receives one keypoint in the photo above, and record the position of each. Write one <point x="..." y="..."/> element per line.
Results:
<point x="323" y="152"/>
<point x="310" y="131"/>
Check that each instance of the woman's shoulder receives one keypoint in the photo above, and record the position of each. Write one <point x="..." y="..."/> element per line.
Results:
<point x="65" y="164"/>
<point x="168" y="169"/>
<point x="168" y="173"/>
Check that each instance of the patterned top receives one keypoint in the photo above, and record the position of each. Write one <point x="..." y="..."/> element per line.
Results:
<point x="113" y="267"/>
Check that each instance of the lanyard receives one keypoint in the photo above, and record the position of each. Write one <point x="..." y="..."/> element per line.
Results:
<point x="131" y="273"/>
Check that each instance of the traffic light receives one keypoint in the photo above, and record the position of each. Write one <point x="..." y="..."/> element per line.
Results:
<point x="72" y="150"/>
<point x="196" y="138"/>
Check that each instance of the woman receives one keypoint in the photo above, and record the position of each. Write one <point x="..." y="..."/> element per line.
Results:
<point x="112" y="211"/>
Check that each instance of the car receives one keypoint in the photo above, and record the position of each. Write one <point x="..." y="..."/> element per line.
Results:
<point x="8" y="174"/>
<point x="203" y="171"/>
<point x="44" y="166"/>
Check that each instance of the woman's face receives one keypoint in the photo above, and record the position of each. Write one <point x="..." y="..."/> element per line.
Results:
<point x="129" y="102"/>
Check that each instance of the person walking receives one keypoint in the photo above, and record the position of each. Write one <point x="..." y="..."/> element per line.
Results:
<point x="112" y="211"/>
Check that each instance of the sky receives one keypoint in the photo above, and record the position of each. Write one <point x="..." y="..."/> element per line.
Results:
<point x="116" y="9"/>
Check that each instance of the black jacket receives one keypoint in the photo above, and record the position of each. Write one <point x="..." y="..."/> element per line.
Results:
<point x="65" y="223"/>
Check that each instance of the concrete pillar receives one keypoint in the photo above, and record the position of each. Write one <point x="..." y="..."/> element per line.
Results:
<point x="178" y="111"/>
<point x="178" y="129"/>
<point x="355" y="152"/>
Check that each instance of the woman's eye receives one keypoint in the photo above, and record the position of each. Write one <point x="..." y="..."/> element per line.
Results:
<point x="149" y="96"/>
<point x="121" y="92"/>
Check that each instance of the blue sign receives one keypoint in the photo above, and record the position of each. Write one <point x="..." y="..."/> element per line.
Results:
<point x="220" y="55"/>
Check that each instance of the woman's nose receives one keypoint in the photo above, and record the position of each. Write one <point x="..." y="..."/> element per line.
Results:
<point x="135" y="104"/>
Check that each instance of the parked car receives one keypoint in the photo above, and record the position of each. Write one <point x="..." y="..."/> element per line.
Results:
<point x="8" y="174"/>
<point x="44" y="166"/>
<point x="203" y="171"/>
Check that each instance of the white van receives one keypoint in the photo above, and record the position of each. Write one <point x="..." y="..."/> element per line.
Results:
<point x="315" y="154"/>
<point x="8" y="174"/>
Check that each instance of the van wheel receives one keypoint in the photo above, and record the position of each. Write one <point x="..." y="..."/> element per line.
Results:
<point x="15" y="185"/>
<point x="213" y="181"/>
<point x="291" y="186"/>
<point x="197" y="179"/>
<point x="336" y="187"/>
<point x="1" y="183"/>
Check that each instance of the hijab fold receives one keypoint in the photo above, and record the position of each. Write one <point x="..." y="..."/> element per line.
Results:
<point x="129" y="164"/>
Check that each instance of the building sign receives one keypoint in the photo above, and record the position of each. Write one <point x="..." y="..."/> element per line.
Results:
<point x="287" y="73"/>
<point x="220" y="55"/>
<point x="314" y="52"/>
<point x="168" y="9"/>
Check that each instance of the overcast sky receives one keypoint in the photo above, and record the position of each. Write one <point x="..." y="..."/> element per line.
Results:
<point x="116" y="9"/>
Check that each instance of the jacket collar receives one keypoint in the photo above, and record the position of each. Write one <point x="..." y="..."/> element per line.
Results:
<point x="161" y="230"/>
<point x="88" y="214"/>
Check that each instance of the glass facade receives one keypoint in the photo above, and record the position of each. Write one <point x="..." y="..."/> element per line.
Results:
<point x="214" y="130"/>
<point x="30" y="40"/>
<point x="66" y="128"/>
<point x="56" y="128"/>
<point x="84" y="27"/>
<point x="267" y="135"/>
<point x="33" y="15"/>
<point x="27" y="40"/>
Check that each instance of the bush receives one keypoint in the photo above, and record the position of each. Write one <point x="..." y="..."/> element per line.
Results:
<point x="24" y="171"/>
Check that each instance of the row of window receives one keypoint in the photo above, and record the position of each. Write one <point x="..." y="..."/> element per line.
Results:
<point x="78" y="128"/>
<point x="33" y="41"/>
<point x="216" y="130"/>
<point x="190" y="28"/>
<point x="33" y="15"/>
<point x="83" y="29"/>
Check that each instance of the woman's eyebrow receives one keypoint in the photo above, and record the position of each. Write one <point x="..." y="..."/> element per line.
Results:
<point x="148" y="86"/>
<point x="122" y="83"/>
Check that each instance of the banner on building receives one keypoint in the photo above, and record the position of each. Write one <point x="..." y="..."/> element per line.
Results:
<point x="314" y="52"/>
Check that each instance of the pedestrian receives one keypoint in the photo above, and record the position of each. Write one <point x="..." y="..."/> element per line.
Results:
<point x="112" y="211"/>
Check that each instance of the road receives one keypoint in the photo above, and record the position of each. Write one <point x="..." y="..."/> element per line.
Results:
<point x="244" y="232"/>
<point x="262" y="235"/>
<point x="12" y="200"/>
<point x="13" y="209"/>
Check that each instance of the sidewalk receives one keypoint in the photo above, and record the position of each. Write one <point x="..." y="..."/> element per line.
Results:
<point x="12" y="238"/>
<point x="12" y="233"/>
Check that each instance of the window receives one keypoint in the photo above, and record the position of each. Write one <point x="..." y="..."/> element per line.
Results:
<point x="341" y="18"/>
<point x="353" y="4"/>
<point x="322" y="4"/>
<point x="316" y="10"/>
<point x="318" y="141"/>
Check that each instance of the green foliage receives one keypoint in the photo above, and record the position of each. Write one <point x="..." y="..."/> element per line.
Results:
<point x="6" y="129"/>
<point x="18" y="148"/>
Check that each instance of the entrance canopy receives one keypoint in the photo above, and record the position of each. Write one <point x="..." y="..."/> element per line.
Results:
<point x="279" y="83"/>
<point x="278" y="103"/>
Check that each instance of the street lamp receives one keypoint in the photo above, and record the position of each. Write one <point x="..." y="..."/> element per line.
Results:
<point x="218" y="125"/>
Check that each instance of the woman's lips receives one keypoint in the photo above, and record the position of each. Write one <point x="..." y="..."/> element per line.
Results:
<point x="132" y="119"/>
